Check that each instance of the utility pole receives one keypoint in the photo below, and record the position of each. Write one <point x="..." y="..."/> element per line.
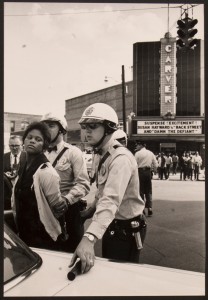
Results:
<point x="123" y="99"/>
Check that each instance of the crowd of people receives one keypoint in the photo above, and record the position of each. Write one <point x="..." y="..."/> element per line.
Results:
<point x="188" y="165"/>
<point x="46" y="180"/>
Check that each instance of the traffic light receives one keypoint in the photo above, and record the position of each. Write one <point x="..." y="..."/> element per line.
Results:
<point x="186" y="32"/>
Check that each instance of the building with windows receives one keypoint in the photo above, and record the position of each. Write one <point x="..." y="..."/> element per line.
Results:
<point x="168" y="97"/>
<point x="164" y="103"/>
<point x="15" y="124"/>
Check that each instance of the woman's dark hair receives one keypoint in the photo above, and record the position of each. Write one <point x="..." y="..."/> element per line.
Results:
<point x="43" y="128"/>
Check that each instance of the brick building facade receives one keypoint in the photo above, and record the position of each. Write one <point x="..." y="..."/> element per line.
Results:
<point x="15" y="123"/>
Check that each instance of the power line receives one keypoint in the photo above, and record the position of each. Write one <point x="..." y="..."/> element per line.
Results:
<point x="94" y="12"/>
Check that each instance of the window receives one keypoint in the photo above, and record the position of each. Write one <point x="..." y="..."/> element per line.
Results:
<point x="24" y="125"/>
<point x="19" y="260"/>
<point x="147" y="82"/>
<point x="12" y="126"/>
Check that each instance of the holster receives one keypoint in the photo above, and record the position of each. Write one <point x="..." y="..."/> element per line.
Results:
<point x="125" y="225"/>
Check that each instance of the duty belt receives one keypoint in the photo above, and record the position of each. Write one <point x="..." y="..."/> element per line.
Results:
<point x="144" y="168"/>
<point x="126" y="225"/>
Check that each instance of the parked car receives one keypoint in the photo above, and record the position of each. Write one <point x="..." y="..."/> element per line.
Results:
<point x="38" y="272"/>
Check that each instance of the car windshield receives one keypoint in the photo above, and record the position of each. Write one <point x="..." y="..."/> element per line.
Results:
<point x="19" y="260"/>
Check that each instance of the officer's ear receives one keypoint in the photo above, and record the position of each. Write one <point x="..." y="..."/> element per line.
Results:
<point x="60" y="130"/>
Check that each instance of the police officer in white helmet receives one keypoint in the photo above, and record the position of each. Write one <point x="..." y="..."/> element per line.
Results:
<point x="121" y="137"/>
<point x="118" y="204"/>
<point x="69" y="164"/>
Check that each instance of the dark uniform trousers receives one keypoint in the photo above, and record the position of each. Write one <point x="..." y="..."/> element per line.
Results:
<point x="119" y="242"/>
<point x="145" y="181"/>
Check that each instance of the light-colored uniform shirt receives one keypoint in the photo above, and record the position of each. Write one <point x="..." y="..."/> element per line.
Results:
<point x="118" y="189"/>
<point x="168" y="160"/>
<point x="72" y="170"/>
<point x="197" y="160"/>
<point x="146" y="158"/>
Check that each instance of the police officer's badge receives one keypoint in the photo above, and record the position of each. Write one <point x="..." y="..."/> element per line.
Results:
<point x="103" y="170"/>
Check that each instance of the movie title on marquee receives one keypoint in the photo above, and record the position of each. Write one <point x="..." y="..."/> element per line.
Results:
<point x="169" y="127"/>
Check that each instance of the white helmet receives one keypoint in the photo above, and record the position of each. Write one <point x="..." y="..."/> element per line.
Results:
<point x="120" y="135"/>
<point x="53" y="117"/>
<point x="100" y="113"/>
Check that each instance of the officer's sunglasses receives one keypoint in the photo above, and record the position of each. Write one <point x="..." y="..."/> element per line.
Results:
<point x="14" y="146"/>
<point x="91" y="126"/>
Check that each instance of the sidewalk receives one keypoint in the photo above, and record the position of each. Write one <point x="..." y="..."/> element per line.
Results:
<point x="177" y="176"/>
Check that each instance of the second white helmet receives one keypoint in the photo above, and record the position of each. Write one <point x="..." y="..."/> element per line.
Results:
<point x="120" y="135"/>
<point x="53" y="117"/>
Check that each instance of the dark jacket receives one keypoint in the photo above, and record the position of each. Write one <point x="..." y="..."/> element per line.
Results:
<point x="7" y="165"/>
<point x="7" y="181"/>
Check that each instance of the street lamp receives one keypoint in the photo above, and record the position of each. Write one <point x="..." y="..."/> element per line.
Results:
<point x="106" y="79"/>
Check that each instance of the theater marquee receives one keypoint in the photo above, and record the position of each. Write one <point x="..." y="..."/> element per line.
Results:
<point x="169" y="127"/>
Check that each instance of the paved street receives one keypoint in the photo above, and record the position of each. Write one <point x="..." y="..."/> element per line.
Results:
<point x="176" y="231"/>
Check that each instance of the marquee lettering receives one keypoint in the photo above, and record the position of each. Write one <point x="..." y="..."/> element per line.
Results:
<point x="168" y="99"/>
<point x="168" y="48"/>
<point x="167" y="89"/>
<point x="168" y="78"/>
<point x="168" y="68"/>
<point x="168" y="60"/>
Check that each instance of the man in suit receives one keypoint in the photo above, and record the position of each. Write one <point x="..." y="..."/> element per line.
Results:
<point x="12" y="162"/>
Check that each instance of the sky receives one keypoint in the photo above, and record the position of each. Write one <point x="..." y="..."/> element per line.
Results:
<point x="57" y="51"/>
